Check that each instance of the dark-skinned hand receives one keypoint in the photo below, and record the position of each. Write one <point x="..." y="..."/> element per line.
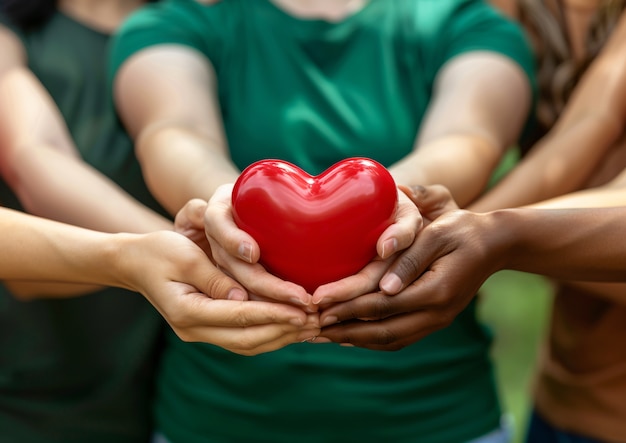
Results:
<point x="425" y="288"/>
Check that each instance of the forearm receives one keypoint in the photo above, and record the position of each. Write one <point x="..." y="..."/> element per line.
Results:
<point x="568" y="244"/>
<point x="461" y="162"/>
<point x="480" y="104"/>
<point x="179" y="164"/>
<point x="610" y="195"/>
<point x="559" y="164"/>
<point x="39" y="160"/>
<point x="54" y="185"/>
<point x="39" y="249"/>
<point x="591" y="124"/>
<point x="174" y="116"/>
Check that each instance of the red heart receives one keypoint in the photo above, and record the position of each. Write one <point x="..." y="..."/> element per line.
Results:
<point x="315" y="229"/>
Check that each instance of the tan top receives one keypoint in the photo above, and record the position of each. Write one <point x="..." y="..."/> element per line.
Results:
<point x="581" y="378"/>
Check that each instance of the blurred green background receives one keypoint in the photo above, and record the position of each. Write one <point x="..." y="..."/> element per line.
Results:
<point x="516" y="307"/>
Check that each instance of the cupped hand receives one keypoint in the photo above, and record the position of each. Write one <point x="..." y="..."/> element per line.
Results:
<point x="432" y="200"/>
<point x="189" y="221"/>
<point x="197" y="300"/>
<point x="238" y="254"/>
<point x="438" y="277"/>
<point x="398" y="236"/>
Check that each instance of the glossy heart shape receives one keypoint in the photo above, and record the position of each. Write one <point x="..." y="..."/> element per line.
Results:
<point x="314" y="230"/>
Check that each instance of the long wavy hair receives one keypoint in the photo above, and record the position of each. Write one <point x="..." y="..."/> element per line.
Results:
<point x="558" y="70"/>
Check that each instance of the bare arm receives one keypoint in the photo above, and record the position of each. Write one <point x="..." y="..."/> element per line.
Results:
<point x="480" y="105"/>
<point x="591" y="124"/>
<point x="433" y="280"/>
<point x="40" y="162"/>
<point x="579" y="236"/>
<point x="184" y="112"/>
<point x="171" y="271"/>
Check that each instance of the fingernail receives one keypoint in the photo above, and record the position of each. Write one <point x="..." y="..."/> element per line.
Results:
<point x="236" y="294"/>
<point x="418" y="189"/>
<point x="391" y="284"/>
<point x="316" y="300"/>
<point x="245" y="251"/>
<point x="347" y="345"/>
<point x="298" y="301"/>
<point x="389" y="247"/>
<point x="330" y="320"/>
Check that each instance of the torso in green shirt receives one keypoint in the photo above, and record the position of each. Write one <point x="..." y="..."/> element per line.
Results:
<point x="313" y="92"/>
<point x="79" y="369"/>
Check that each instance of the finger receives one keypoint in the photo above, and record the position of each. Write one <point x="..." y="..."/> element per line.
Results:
<point x="414" y="261"/>
<point x="431" y="200"/>
<point x="189" y="221"/>
<point x="438" y="196"/>
<point x="401" y="233"/>
<point x="205" y="276"/>
<point x="426" y="293"/>
<point x="280" y="342"/>
<point x="194" y="309"/>
<point x="389" y="335"/>
<point x="252" y="340"/>
<point x="373" y="306"/>
<point x="363" y="282"/>
<point x="257" y="280"/>
<point x="221" y="228"/>
<point x="191" y="216"/>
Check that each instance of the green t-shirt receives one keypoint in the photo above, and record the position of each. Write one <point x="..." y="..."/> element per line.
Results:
<point x="313" y="92"/>
<point x="81" y="369"/>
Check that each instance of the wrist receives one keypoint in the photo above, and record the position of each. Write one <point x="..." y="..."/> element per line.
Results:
<point x="115" y="251"/>
<point x="507" y="235"/>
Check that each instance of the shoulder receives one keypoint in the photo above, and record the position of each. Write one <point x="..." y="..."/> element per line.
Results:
<point x="200" y="25"/>
<point x="174" y="17"/>
<point x="448" y="19"/>
<point x="448" y="28"/>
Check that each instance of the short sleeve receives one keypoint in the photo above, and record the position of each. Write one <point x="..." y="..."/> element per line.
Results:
<point x="174" y="22"/>
<point x="478" y="26"/>
<point x="449" y="28"/>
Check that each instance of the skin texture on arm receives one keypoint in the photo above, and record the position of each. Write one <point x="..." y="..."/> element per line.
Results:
<point x="592" y="123"/>
<point x="608" y="195"/>
<point x="169" y="269"/>
<point x="480" y="104"/>
<point x="162" y="96"/>
<point x="583" y="149"/>
<point x="40" y="162"/>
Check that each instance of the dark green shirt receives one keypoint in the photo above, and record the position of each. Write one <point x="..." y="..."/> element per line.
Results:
<point x="79" y="370"/>
<point x="313" y="92"/>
